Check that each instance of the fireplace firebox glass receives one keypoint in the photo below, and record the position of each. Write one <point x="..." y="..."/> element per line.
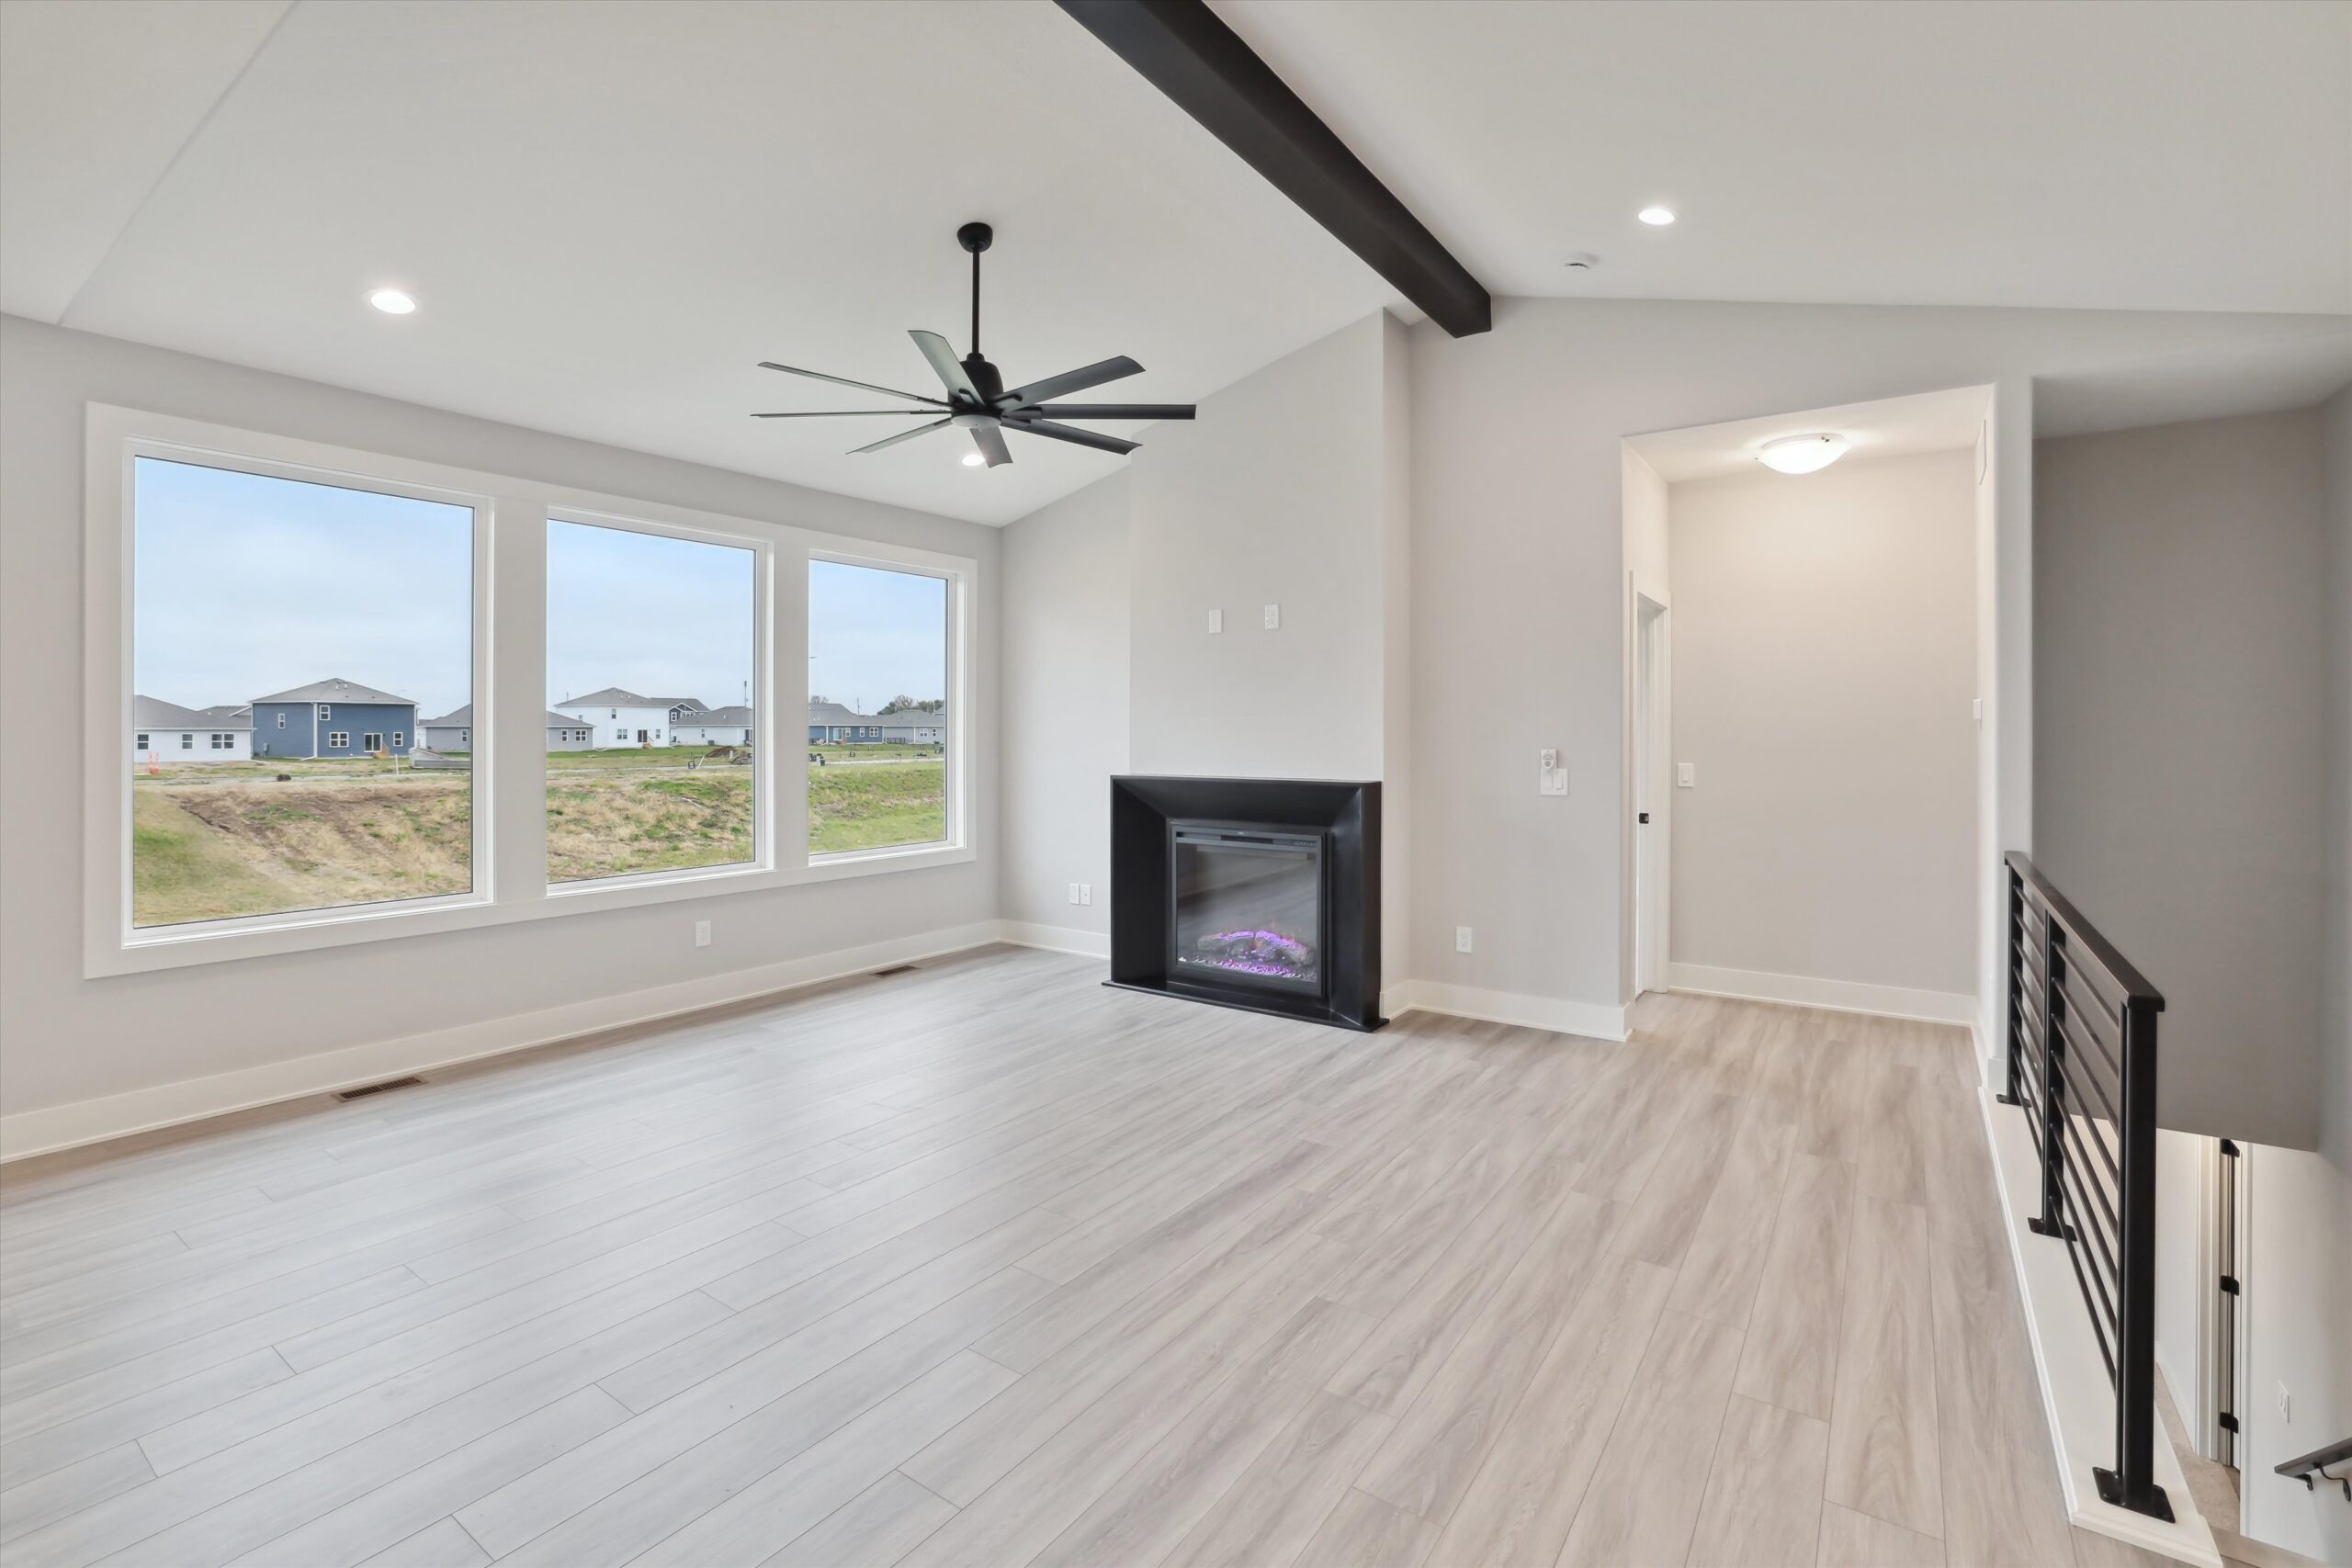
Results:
<point x="1249" y="907"/>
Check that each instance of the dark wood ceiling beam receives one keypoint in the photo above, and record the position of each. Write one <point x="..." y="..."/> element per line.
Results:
<point x="1182" y="48"/>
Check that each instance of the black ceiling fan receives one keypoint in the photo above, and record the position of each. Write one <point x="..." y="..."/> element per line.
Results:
<point x="978" y="399"/>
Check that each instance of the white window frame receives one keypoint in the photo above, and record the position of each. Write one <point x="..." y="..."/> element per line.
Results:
<point x="961" y="577"/>
<point x="666" y="524"/>
<point x="338" y="740"/>
<point x="187" y="740"/>
<point x="509" y="628"/>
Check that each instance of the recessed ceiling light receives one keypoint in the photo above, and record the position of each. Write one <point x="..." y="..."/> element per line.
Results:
<point x="973" y="459"/>
<point x="1803" y="453"/>
<point x="393" y="302"/>
<point x="1655" y="216"/>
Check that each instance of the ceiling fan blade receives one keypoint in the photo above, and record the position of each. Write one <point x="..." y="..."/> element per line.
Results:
<point x="846" y="413"/>
<point x="902" y="435"/>
<point x="1072" y="434"/>
<point x="991" y="441"/>
<point x="845" y="381"/>
<point x="1111" y="411"/>
<point x="951" y="369"/>
<point x="1073" y="381"/>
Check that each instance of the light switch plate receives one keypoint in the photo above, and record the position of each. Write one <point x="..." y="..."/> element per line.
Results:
<point x="1216" y="620"/>
<point x="1273" y="617"/>
<point x="1085" y="893"/>
<point x="1686" y="774"/>
<point x="1550" y="777"/>
<point x="1461" y="939"/>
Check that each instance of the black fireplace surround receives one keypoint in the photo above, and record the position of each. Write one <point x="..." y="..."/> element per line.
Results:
<point x="1261" y="894"/>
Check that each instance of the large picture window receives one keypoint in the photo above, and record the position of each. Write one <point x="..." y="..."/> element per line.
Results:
<point x="334" y="696"/>
<point x="658" y="636"/>
<point x="243" y="628"/>
<point x="878" y="683"/>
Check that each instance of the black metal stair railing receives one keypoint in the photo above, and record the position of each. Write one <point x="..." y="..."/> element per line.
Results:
<point x="2082" y="1064"/>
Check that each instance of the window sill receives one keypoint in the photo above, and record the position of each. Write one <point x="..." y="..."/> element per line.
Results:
<point x="345" y="928"/>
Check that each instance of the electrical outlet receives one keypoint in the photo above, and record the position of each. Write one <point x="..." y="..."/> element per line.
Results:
<point x="1085" y="893"/>
<point x="1273" y="617"/>
<point x="1073" y="892"/>
<point x="1550" y="777"/>
<point x="1461" y="939"/>
<point x="1686" y="774"/>
<point x="702" y="933"/>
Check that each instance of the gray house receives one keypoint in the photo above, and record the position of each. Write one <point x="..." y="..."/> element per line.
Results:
<point x="454" y="731"/>
<point x="332" y="718"/>
<point x="831" y="724"/>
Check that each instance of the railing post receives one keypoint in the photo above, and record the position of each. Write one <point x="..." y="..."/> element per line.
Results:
<point x="2015" y="963"/>
<point x="2132" y="1483"/>
<point x="2051" y="1221"/>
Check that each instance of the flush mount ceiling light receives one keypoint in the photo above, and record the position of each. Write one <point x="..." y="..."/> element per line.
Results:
<point x="393" y="302"/>
<point x="973" y="459"/>
<point x="1655" y="216"/>
<point x="1803" y="453"/>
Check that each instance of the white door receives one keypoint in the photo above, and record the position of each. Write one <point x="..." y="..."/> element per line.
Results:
<point x="1652" y="737"/>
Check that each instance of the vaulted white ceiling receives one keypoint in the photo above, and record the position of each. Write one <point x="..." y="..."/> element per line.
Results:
<point x="611" y="211"/>
<point x="2194" y="156"/>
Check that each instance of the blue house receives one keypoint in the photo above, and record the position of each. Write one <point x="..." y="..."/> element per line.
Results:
<point x="332" y="718"/>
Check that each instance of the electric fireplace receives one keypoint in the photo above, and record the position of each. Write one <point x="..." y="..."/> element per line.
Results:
<point x="1248" y="906"/>
<point x="1261" y="894"/>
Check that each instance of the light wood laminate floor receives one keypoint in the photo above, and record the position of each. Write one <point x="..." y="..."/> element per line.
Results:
<point x="985" y="1263"/>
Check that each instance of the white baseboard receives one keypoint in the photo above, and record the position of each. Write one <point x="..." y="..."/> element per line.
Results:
<point x="2077" y="1402"/>
<point x="29" y="1133"/>
<point x="1593" y="1019"/>
<point x="1837" y="995"/>
<point x="1056" y="938"/>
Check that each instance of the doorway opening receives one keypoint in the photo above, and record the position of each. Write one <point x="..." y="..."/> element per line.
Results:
<point x="1806" y="661"/>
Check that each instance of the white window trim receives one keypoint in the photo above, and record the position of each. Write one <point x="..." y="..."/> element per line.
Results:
<point x="509" y="688"/>
<point x="959" y="576"/>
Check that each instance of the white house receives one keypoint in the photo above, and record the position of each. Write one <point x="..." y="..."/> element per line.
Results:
<point x="454" y="731"/>
<point x="713" y="727"/>
<point x="164" y="732"/>
<point x="616" y="717"/>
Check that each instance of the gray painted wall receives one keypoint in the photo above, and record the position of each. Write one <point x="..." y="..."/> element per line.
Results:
<point x="2179" y="694"/>
<point x="63" y="1038"/>
<point x="1824" y="660"/>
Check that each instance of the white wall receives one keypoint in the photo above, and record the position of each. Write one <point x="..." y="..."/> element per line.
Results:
<point x="2299" y="1336"/>
<point x="2336" y="953"/>
<point x="1273" y="496"/>
<point x="2179" y="783"/>
<point x="1065" y="584"/>
<point x="1824" y="660"/>
<point x="1288" y="489"/>
<point x="65" y="1039"/>
<point x="1518" y="575"/>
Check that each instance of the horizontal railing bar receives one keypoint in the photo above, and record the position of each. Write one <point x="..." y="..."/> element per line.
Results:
<point x="2105" y="1253"/>
<point x="2108" y="1036"/>
<point x="2081" y="934"/>
<point x="2098" y="1329"/>
<point x="2082" y="1078"/>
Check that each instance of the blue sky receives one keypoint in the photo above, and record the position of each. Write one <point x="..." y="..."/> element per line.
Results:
<point x="247" y="584"/>
<point x="876" y="635"/>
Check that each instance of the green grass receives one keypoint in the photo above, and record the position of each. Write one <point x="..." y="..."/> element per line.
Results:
<point x="881" y="806"/>
<point x="226" y="840"/>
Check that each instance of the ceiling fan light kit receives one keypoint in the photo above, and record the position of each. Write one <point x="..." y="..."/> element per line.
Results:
<point x="978" y="399"/>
